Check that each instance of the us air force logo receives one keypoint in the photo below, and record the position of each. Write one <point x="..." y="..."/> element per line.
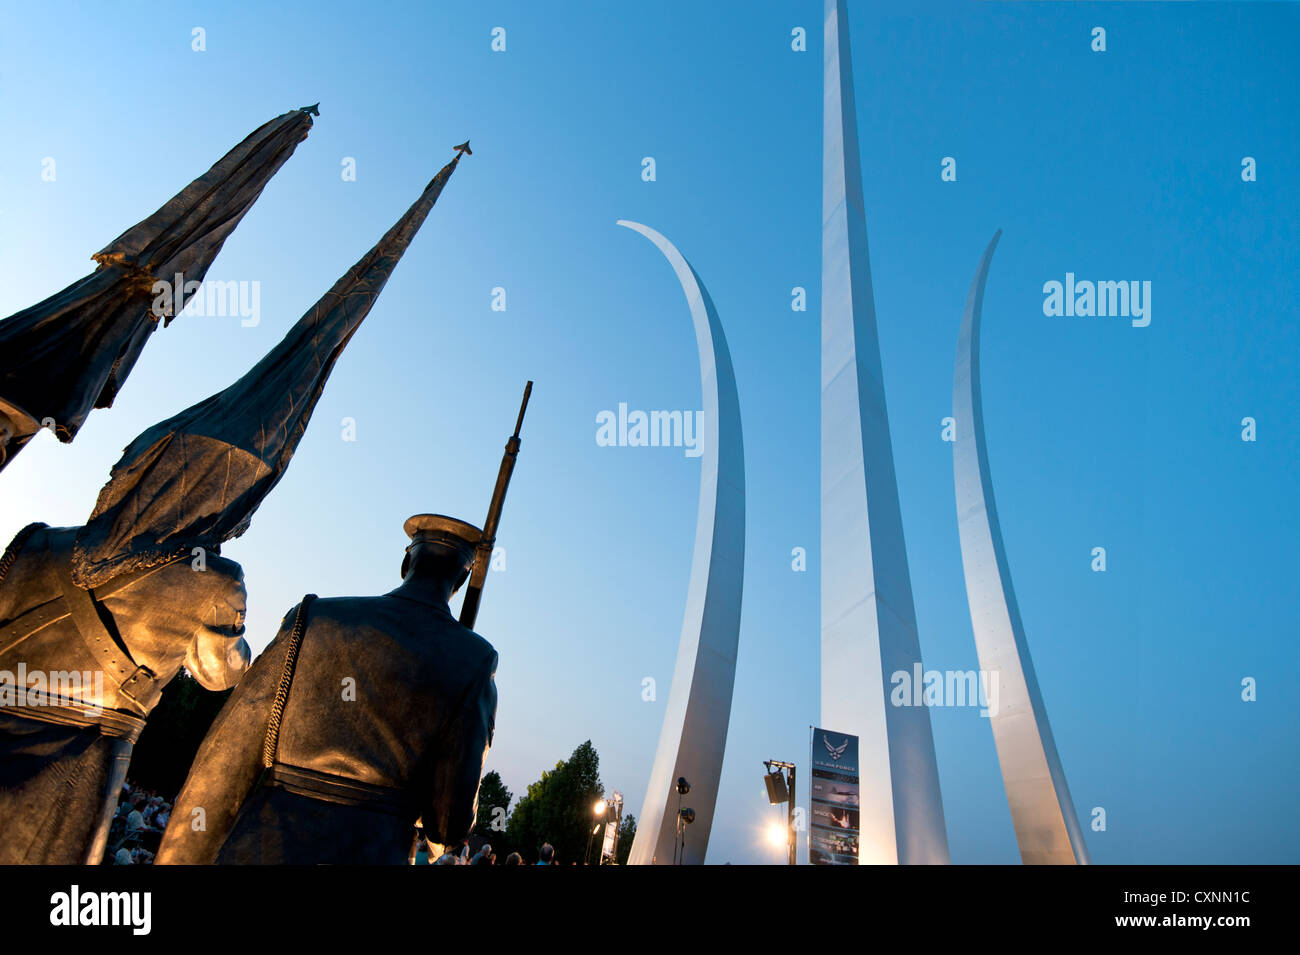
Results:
<point x="835" y="751"/>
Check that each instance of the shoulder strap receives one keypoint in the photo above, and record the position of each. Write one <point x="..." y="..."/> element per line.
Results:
<point x="38" y="618"/>
<point x="272" y="743"/>
<point x="138" y="684"/>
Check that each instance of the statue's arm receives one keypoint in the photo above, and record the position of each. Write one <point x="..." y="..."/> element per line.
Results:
<point x="228" y="763"/>
<point x="449" y="816"/>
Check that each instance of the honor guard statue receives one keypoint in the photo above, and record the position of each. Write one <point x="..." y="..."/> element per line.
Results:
<point x="139" y="590"/>
<point x="82" y="669"/>
<point x="362" y="716"/>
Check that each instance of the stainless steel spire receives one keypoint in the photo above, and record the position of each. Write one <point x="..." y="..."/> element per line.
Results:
<point x="1047" y="828"/>
<point x="694" y="733"/>
<point x="868" y="623"/>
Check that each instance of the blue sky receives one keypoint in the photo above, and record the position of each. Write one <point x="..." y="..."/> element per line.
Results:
<point x="1123" y="164"/>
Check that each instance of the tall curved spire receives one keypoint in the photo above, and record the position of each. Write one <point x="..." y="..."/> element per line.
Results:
<point x="868" y="621"/>
<point x="694" y="733"/>
<point x="1047" y="828"/>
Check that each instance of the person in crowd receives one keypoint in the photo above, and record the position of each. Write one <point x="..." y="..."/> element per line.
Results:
<point x="547" y="854"/>
<point x="135" y="818"/>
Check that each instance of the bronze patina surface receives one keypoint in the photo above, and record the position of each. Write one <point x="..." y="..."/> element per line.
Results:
<point x="122" y="595"/>
<point x="102" y="659"/>
<point x="71" y="353"/>
<point x="362" y="716"/>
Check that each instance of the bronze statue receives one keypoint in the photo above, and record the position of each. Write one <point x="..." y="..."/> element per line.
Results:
<point x="71" y="353"/>
<point x="81" y="671"/>
<point x="118" y="593"/>
<point x="362" y="716"/>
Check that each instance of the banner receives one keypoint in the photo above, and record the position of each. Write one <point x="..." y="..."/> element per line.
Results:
<point x="607" y="847"/>
<point x="833" y="828"/>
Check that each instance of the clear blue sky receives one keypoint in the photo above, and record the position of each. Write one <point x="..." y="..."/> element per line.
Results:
<point x="1124" y="164"/>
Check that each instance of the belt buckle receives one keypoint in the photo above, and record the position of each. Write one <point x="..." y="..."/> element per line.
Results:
<point x="142" y="687"/>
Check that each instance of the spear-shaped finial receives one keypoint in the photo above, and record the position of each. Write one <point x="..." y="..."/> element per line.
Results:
<point x="463" y="148"/>
<point x="313" y="110"/>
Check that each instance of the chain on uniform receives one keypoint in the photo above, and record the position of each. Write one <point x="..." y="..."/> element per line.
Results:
<point x="272" y="743"/>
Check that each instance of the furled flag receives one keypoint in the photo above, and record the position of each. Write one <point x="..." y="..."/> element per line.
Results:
<point x="70" y="354"/>
<point x="196" y="479"/>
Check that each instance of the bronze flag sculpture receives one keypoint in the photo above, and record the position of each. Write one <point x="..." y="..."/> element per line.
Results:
<point x="70" y="354"/>
<point x="363" y="715"/>
<point x="240" y="439"/>
<point x="119" y="596"/>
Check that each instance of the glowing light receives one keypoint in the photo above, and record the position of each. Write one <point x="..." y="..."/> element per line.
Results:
<point x="778" y="835"/>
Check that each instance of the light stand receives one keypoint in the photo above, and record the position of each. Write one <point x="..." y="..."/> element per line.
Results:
<point x="781" y="790"/>
<point x="679" y="846"/>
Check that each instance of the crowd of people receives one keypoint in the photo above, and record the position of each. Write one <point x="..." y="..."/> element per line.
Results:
<point x="142" y="816"/>
<point x="460" y="855"/>
<point x="137" y="828"/>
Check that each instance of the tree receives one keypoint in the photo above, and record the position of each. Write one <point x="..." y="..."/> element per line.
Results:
<point x="558" y="808"/>
<point x="493" y="807"/>
<point x="626" y="833"/>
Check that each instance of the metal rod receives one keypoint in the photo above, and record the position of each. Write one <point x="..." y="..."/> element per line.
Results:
<point x="483" y="555"/>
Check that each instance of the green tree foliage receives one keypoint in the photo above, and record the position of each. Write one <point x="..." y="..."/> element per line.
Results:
<point x="162" y="757"/>
<point x="626" y="833"/>
<point x="558" y="808"/>
<point x="493" y="795"/>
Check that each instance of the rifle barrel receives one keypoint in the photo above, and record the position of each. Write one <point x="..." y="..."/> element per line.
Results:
<point x="478" y="575"/>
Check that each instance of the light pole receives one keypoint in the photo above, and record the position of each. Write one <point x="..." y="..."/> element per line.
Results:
<point x="781" y="790"/>
<point x="597" y="810"/>
<point x="684" y="818"/>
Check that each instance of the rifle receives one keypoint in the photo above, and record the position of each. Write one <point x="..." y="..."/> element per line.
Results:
<point x="483" y="553"/>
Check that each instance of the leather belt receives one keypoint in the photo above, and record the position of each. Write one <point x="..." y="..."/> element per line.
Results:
<point x="138" y="684"/>
<point x="64" y="712"/>
<point x="339" y="790"/>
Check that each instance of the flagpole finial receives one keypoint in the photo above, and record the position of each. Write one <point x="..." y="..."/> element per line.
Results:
<point x="314" y="109"/>
<point x="463" y="148"/>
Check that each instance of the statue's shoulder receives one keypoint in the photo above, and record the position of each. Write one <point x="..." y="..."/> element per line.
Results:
<point x="344" y="609"/>
<point x="398" y="617"/>
<point x="480" y="644"/>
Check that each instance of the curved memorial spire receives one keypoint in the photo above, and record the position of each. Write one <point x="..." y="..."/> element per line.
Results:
<point x="868" y="620"/>
<point x="1047" y="828"/>
<point x="694" y="733"/>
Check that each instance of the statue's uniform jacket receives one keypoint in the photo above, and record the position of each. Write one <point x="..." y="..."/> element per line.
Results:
<point x="59" y="783"/>
<point x="390" y="693"/>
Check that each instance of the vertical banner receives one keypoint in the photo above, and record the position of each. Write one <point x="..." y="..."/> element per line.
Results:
<point x="607" y="847"/>
<point x="833" y="829"/>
